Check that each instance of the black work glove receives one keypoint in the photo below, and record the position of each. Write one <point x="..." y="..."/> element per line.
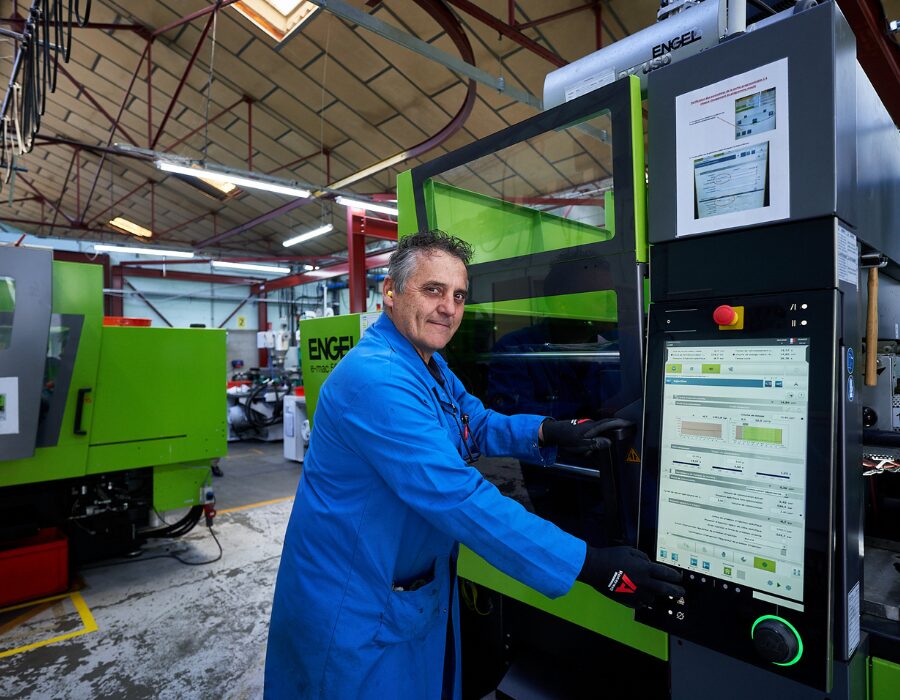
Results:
<point x="628" y="576"/>
<point x="581" y="436"/>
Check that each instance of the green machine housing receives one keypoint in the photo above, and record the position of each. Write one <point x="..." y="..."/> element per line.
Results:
<point x="323" y="342"/>
<point x="101" y="425"/>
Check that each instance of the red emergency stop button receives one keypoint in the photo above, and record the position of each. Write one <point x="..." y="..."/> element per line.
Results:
<point x="725" y="315"/>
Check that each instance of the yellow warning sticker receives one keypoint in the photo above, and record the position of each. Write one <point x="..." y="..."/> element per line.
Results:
<point x="633" y="456"/>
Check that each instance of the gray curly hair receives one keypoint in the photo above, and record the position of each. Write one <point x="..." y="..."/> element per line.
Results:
<point x="403" y="261"/>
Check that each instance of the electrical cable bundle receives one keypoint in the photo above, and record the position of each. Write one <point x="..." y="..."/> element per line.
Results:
<point x="47" y="34"/>
<point x="179" y="528"/>
<point x="176" y="529"/>
<point x="880" y="464"/>
<point x="257" y="419"/>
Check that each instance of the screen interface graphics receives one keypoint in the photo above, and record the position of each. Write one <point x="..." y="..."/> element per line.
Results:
<point x="754" y="113"/>
<point x="733" y="180"/>
<point x="732" y="492"/>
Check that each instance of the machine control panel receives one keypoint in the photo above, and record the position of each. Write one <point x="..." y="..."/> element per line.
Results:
<point x="737" y="477"/>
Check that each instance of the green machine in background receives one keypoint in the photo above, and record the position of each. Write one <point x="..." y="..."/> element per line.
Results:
<point x="323" y="342"/>
<point x="100" y="425"/>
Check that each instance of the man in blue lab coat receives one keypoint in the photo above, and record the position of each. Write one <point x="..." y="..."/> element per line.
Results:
<point x="365" y="600"/>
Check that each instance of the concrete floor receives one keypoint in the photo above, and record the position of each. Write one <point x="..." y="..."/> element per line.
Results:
<point x="165" y="629"/>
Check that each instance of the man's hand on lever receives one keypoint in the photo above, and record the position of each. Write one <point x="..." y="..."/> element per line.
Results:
<point x="581" y="436"/>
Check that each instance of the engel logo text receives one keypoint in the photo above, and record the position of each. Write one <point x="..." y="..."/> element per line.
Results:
<point x="662" y="53"/>
<point x="677" y="42"/>
<point x="332" y="348"/>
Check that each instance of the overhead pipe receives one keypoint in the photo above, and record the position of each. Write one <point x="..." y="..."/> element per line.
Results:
<point x="447" y="20"/>
<point x="509" y="32"/>
<point x="555" y="15"/>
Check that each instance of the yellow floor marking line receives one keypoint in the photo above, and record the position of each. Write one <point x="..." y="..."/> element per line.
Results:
<point x="89" y="624"/>
<point x="24" y="617"/>
<point x="254" y="505"/>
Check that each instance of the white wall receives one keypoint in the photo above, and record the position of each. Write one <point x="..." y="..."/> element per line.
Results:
<point x="241" y="345"/>
<point x="184" y="303"/>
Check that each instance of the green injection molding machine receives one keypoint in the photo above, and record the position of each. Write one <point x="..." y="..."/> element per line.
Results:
<point x="101" y="425"/>
<point x="759" y="497"/>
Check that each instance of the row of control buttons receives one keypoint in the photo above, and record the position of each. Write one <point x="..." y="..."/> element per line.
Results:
<point x="723" y="585"/>
<point x="732" y="317"/>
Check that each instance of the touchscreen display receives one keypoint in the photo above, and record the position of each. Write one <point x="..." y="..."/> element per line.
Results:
<point x="732" y="490"/>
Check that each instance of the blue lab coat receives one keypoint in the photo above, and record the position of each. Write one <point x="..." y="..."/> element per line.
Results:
<point x="383" y="502"/>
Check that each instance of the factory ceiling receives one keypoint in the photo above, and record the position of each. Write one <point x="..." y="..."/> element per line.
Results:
<point x="328" y="104"/>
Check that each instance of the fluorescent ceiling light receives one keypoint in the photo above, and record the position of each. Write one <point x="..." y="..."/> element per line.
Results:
<point x="251" y="182"/>
<point x="277" y="18"/>
<point x="309" y="234"/>
<point x="369" y="206"/>
<point x="130" y="227"/>
<point x="250" y="266"/>
<point x="158" y="252"/>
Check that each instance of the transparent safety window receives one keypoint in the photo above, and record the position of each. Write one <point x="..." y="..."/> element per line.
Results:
<point x="555" y="355"/>
<point x="558" y="356"/>
<point x="56" y="346"/>
<point x="551" y="191"/>
<point x="7" y="310"/>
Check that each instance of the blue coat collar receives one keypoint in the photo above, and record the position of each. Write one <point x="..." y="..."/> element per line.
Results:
<point x="398" y="342"/>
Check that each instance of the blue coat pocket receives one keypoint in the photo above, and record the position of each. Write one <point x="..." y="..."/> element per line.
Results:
<point x="411" y="615"/>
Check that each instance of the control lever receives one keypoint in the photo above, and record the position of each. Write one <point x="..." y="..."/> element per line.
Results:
<point x="614" y="448"/>
<point x="615" y="438"/>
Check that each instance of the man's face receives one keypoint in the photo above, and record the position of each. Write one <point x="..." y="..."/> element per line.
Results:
<point x="430" y="308"/>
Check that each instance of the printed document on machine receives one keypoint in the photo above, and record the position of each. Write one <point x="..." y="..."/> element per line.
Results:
<point x="732" y="151"/>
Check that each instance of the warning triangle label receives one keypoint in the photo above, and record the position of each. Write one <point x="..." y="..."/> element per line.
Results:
<point x="633" y="456"/>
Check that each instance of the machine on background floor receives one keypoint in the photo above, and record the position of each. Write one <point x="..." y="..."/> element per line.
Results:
<point x="255" y="409"/>
<point x="296" y="427"/>
<point x="323" y="342"/>
<point x="256" y="397"/>
<point x="103" y="425"/>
